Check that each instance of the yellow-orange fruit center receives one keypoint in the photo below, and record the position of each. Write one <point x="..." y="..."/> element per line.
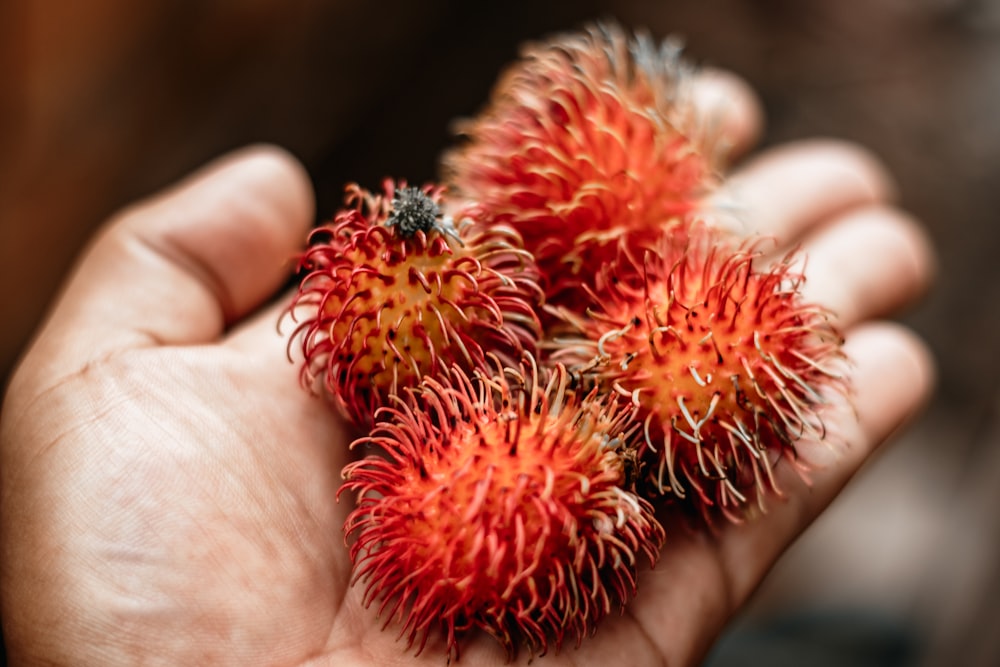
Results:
<point x="401" y="309"/>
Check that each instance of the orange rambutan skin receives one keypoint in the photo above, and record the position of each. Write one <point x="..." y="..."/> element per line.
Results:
<point x="380" y="306"/>
<point x="498" y="507"/>
<point x="589" y="143"/>
<point x="727" y="365"/>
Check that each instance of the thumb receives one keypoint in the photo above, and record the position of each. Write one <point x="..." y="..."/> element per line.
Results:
<point x="181" y="267"/>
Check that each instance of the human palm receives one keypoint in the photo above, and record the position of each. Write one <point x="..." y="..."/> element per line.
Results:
<point x="168" y="489"/>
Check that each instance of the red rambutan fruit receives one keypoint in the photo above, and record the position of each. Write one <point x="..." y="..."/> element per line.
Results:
<point x="393" y="290"/>
<point x="590" y="142"/>
<point x="498" y="505"/>
<point x="727" y="364"/>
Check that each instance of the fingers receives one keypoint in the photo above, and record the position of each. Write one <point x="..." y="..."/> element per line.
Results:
<point x="892" y="375"/>
<point x="788" y="190"/>
<point x="862" y="258"/>
<point x="867" y="263"/>
<point x="179" y="268"/>
<point x="733" y="112"/>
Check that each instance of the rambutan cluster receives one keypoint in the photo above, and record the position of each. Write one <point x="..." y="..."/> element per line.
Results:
<point x="550" y="348"/>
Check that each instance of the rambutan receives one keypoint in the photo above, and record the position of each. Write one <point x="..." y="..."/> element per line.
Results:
<point x="589" y="143"/>
<point x="497" y="504"/>
<point x="395" y="288"/>
<point x="726" y="363"/>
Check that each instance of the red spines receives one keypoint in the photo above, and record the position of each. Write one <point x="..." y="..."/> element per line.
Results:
<point x="498" y="505"/>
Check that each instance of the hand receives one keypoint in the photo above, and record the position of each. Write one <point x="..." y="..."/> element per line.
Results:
<point x="168" y="487"/>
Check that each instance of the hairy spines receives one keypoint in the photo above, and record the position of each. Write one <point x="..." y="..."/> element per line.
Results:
<point x="498" y="504"/>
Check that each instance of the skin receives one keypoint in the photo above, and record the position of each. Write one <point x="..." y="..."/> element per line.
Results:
<point x="166" y="486"/>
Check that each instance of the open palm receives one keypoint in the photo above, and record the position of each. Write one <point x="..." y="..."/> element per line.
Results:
<point x="168" y="488"/>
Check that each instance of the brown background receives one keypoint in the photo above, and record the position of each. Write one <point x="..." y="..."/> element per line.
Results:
<point x="105" y="101"/>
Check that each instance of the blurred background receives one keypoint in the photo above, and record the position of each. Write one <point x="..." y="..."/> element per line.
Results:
<point x="107" y="101"/>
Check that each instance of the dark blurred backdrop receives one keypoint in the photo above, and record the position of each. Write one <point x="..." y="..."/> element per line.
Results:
<point x="106" y="101"/>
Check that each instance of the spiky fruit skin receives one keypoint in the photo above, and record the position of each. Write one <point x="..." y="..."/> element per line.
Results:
<point x="389" y="297"/>
<point x="498" y="507"/>
<point x="727" y="364"/>
<point x="590" y="143"/>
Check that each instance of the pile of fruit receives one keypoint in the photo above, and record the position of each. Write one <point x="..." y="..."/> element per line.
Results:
<point x="552" y="349"/>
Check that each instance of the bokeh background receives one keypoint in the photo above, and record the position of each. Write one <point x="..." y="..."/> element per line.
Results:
<point x="106" y="101"/>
